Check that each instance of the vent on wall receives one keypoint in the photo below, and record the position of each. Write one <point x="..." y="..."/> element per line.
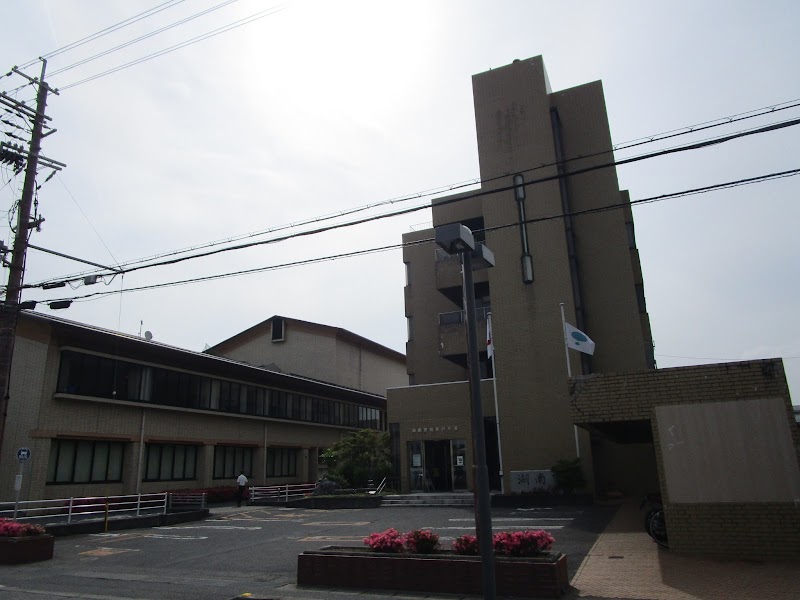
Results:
<point x="278" y="329"/>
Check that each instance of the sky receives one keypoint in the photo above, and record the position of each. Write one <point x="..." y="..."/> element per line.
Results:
<point x="316" y="108"/>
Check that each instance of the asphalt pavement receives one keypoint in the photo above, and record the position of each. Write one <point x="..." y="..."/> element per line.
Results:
<point x="253" y="551"/>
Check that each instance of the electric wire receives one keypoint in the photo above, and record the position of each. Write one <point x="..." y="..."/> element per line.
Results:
<point x="103" y="32"/>
<point x="578" y="213"/>
<point x="477" y="194"/>
<point x="213" y="33"/>
<point x="427" y="193"/>
<point x="85" y="216"/>
<point x="720" y="359"/>
<point x="148" y="35"/>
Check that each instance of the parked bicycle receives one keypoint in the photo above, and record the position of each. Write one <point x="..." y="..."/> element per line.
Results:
<point x="655" y="523"/>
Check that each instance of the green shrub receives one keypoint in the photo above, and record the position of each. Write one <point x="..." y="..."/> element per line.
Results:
<point x="568" y="474"/>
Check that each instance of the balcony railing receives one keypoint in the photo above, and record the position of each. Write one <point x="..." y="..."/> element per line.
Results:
<point x="457" y="317"/>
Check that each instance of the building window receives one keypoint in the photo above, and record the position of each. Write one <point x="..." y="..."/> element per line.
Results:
<point x="170" y="462"/>
<point x="89" y="375"/>
<point x="281" y="462"/>
<point x="84" y="461"/>
<point x="278" y="326"/>
<point x="229" y="461"/>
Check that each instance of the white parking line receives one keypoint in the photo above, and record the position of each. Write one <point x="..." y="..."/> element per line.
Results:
<point x="337" y="523"/>
<point x="519" y="519"/>
<point x="210" y="527"/>
<point x="159" y="536"/>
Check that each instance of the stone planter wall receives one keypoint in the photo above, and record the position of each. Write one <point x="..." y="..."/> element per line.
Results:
<point x="540" y="577"/>
<point x="17" y="550"/>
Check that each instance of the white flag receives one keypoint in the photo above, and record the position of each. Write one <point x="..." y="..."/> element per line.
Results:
<point x="489" y="342"/>
<point x="577" y="340"/>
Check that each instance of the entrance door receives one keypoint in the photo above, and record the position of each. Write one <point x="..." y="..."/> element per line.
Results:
<point x="438" y="465"/>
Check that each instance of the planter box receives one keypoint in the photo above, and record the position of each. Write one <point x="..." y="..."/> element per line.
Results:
<point x="534" y="577"/>
<point x="17" y="550"/>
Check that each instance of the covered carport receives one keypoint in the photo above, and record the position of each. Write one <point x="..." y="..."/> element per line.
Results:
<point x="718" y="441"/>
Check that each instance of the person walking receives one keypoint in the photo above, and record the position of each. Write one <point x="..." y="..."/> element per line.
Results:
<point x="241" y="483"/>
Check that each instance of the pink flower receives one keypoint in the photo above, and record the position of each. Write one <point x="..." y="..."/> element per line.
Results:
<point x="421" y="541"/>
<point x="11" y="528"/>
<point x="388" y="541"/>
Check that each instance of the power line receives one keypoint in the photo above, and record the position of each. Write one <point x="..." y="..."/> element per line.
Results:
<point x="726" y="359"/>
<point x="614" y="206"/>
<point x="479" y="193"/>
<point x="110" y="29"/>
<point x="99" y="237"/>
<point x="213" y="33"/>
<point x="143" y="37"/>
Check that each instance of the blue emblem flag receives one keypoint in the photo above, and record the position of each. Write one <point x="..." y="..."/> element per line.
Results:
<point x="577" y="340"/>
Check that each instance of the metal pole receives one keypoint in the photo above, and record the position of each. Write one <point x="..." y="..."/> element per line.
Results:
<point x="496" y="407"/>
<point x="569" y="372"/>
<point x="483" y="517"/>
<point x="141" y="457"/>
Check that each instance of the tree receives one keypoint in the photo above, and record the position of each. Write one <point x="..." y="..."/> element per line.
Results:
<point x="359" y="457"/>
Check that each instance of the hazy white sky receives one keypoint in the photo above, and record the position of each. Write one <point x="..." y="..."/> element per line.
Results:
<point x="321" y="107"/>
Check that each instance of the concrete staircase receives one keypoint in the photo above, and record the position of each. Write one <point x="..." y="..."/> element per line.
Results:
<point x="430" y="499"/>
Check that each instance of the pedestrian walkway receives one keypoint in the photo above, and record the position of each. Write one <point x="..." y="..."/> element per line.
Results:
<point x="626" y="563"/>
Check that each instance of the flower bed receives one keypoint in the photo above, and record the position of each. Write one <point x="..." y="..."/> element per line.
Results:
<point x="23" y="542"/>
<point x="414" y="562"/>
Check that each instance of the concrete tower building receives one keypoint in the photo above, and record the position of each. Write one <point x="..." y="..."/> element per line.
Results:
<point x="563" y="254"/>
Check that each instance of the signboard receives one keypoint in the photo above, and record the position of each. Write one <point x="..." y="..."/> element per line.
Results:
<point x="532" y="481"/>
<point x="23" y="454"/>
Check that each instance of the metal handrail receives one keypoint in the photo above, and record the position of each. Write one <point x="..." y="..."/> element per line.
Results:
<point x="86" y="508"/>
<point x="450" y="318"/>
<point x="277" y="492"/>
<point x="187" y="499"/>
<point x="380" y="488"/>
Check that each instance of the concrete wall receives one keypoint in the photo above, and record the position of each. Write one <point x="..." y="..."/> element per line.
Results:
<point x="513" y="116"/>
<point x="320" y="353"/>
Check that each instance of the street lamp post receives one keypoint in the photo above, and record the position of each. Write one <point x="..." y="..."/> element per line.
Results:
<point x="456" y="238"/>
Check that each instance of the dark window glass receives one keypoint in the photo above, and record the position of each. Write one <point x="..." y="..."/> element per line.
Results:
<point x="170" y="462"/>
<point x="84" y="374"/>
<point x="229" y="461"/>
<point x="277" y="329"/>
<point x="84" y="461"/>
<point x="281" y="462"/>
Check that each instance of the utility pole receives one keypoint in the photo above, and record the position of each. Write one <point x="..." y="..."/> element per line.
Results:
<point x="9" y="308"/>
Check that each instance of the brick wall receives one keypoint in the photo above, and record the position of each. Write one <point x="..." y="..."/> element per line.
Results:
<point x="751" y="530"/>
<point x="757" y="531"/>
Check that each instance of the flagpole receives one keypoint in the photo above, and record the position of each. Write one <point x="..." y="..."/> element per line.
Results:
<point x="496" y="409"/>
<point x="564" y="335"/>
<point x="569" y="372"/>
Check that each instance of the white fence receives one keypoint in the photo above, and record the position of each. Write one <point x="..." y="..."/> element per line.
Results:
<point x="70" y="510"/>
<point x="280" y="493"/>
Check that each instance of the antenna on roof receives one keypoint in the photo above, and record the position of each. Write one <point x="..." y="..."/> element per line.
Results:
<point x="148" y="335"/>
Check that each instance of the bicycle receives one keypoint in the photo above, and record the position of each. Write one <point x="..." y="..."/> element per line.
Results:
<point x="655" y="523"/>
